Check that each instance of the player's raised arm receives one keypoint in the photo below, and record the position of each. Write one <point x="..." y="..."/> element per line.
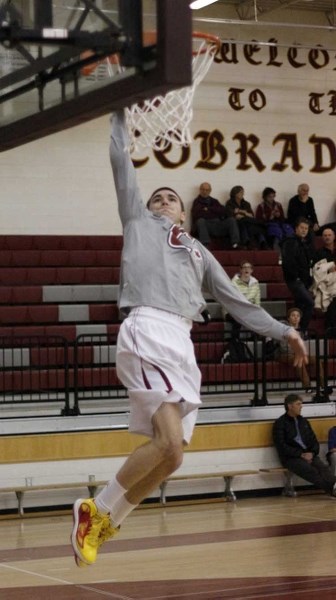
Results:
<point x="128" y="193"/>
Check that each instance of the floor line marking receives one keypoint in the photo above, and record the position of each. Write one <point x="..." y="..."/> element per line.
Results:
<point x="237" y="588"/>
<point x="64" y="581"/>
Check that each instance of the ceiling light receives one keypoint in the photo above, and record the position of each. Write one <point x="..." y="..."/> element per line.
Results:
<point x="201" y="3"/>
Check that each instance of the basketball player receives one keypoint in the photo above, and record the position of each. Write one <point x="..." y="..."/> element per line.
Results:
<point x="162" y="272"/>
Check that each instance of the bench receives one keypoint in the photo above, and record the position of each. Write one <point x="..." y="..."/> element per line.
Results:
<point x="289" y="489"/>
<point x="19" y="491"/>
<point x="227" y="476"/>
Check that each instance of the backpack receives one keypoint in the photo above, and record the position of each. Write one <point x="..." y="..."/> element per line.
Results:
<point x="237" y="352"/>
<point x="271" y="347"/>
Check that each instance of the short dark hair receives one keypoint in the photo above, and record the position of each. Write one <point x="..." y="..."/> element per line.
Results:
<point x="290" y="399"/>
<point x="293" y="309"/>
<point x="302" y="220"/>
<point x="165" y="187"/>
<point x="245" y="262"/>
<point x="267" y="191"/>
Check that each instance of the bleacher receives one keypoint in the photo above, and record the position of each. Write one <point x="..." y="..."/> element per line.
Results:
<point x="59" y="317"/>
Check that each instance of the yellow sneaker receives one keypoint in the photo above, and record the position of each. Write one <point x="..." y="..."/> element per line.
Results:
<point x="91" y="529"/>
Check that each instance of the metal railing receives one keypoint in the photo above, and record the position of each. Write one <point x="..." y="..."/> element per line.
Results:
<point x="47" y="370"/>
<point x="34" y="369"/>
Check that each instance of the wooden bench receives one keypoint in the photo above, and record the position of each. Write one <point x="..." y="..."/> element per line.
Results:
<point x="21" y="490"/>
<point x="289" y="489"/>
<point x="227" y="476"/>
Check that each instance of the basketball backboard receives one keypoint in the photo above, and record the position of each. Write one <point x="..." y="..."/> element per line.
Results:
<point x="58" y="63"/>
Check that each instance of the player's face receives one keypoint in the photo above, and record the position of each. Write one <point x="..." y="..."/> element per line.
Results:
<point x="165" y="202"/>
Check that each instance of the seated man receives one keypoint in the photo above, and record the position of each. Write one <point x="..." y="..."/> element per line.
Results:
<point x="297" y="260"/>
<point x="209" y="219"/>
<point x="302" y="205"/>
<point x="328" y="249"/>
<point x="298" y="447"/>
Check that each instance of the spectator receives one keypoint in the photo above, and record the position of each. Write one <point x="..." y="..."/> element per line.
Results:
<point x="302" y="205"/>
<point x="285" y="355"/>
<point x="249" y="287"/>
<point x="328" y="251"/>
<point x="298" y="447"/>
<point x="270" y="212"/>
<point x="252" y="233"/>
<point x="297" y="260"/>
<point x="210" y="219"/>
<point x="324" y="275"/>
<point x="331" y="454"/>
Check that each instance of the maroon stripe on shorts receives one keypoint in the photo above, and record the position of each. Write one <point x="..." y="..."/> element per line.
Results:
<point x="146" y="382"/>
<point x="165" y="378"/>
<point x="163" y="375"/>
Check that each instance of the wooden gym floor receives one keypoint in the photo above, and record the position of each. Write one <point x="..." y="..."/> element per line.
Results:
<point x="257" y="548"/>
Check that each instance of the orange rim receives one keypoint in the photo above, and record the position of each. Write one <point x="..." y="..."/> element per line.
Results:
<point x="150" y="38"/>
<point x="212" y="40"/>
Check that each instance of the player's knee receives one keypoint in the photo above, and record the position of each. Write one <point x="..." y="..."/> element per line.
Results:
<point x="172" y="454"/>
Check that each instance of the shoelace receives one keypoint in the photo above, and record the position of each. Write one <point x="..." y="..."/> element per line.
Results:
<point x="94" y="530"/>
<point x="107" y="531"/>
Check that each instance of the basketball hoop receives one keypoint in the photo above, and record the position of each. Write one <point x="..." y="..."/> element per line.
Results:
<point x="165" y="120"/>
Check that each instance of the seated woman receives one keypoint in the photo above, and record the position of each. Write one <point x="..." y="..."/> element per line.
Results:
<point x="270" y="212"/>
<point x="252" y="233"/>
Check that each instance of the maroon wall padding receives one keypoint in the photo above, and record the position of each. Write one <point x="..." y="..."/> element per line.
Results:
<point x="237" y="372"/>
<point x="209" y="351"/>
<point x="103" y="312"/>
<point x="102" y="275"/>
<point x="97" y="377"/>
<point x="278" y="291"/>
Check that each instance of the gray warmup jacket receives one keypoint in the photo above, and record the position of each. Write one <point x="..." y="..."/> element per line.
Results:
<point x="164" y="267"/>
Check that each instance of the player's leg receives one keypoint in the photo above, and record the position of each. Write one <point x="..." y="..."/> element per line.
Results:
<point x="142" y="472"/>
<point x="167" y="444"/>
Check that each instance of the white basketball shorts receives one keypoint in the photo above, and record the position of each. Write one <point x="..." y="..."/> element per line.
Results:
<point x="156" y="362"/>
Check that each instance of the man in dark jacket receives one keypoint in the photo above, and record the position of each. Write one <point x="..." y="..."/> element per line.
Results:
<point x="297" y="261"/>
<point x="298" y="447"/>
<point x="210" y="219"/>
<point x="328" y="250"/>
<point x="302" y="205"/>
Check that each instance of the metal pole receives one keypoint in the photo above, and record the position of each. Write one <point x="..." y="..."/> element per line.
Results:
<point x="43" y="14"/>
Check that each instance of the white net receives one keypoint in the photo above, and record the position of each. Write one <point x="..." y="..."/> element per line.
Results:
<point x="165" y="120"/>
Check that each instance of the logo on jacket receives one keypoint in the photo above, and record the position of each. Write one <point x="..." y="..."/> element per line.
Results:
<point x="174" y="238"/>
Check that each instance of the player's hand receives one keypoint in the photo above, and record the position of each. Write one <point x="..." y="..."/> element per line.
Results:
<point x="300" y="353"/>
